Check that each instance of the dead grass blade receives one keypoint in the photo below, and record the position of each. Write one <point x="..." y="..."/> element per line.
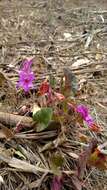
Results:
<point x="23" y="165"/>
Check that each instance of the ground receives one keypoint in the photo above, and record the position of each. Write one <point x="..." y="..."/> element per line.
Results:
<point x="56" y="34"/>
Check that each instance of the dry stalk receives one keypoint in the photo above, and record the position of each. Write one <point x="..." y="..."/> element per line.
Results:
<point x="13" y="120"/>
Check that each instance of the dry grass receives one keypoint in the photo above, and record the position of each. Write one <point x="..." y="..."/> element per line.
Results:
<point x="39" y="30"/>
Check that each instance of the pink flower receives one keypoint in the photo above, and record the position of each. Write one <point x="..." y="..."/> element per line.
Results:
<point x="83" y="110"/>
<point x="26" y="76"/>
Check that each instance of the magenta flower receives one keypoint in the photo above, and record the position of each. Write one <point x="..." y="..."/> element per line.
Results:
<point x="83" y="110"/>
<point x="26" y="76"/>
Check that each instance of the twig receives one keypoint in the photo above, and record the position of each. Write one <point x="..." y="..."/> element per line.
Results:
<point x="23" y="165"/>
<point x="13" y="120"/>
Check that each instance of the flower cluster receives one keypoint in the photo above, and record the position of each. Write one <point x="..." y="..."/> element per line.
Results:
<point x="26" y="76"/>
<point x="83" y="110"/>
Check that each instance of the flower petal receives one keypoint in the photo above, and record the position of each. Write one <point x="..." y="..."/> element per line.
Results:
<point x="83" y="110"/>
<point x="89" y="120"/>
<point x="27" y="65"/>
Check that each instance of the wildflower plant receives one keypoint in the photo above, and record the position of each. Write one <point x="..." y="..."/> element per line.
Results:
<point x="58" y="111"/>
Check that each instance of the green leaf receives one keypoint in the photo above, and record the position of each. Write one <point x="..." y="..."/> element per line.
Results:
<point x="43" y="117"/>
<point x="41" y="127"/>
